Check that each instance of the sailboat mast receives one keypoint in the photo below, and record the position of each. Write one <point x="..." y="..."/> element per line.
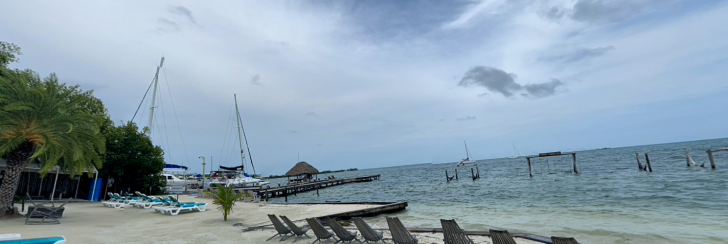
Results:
<point x="154" y="99"/>
<point x="240" y="137"/>
<point x="246" y="143"/>
<point x="467" y="154"/>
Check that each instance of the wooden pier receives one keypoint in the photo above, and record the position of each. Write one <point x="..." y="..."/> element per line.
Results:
<point x="284" y="191"/>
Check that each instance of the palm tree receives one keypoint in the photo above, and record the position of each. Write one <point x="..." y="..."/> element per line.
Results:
<point x="225" y="197"/>
<point x="40" y="121"/>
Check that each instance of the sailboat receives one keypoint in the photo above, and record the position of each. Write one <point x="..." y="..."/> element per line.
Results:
<point x="515" y="153"/>
<point x="466" y="161"/>
<point x="236" y="176"/>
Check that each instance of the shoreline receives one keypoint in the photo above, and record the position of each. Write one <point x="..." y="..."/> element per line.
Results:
<point x="91" y="222"/>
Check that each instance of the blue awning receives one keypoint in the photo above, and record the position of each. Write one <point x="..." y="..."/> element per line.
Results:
<point x="174" y="167"/>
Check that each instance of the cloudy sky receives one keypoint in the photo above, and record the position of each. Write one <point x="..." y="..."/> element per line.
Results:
<point x="382" y="83"/>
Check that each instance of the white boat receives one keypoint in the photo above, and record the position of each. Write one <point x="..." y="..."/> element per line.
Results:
<point x="515" y="153"/>
<point x="466" y="162"/>
<point x="236" y="176"/>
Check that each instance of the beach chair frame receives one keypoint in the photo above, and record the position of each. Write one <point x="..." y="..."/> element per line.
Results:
<point x="453" y="234"/>
<point x="45" y="213"/>
<point x="282" y="230"/>
<point x="367" y="232"/>
<point x="343" y="234"/>
<point x="501" y="237"/>
<point x="563" y="240"/>
<point x="320" y="231"/>
<point x="299" y="232"/>
<point x="400" y="234"/>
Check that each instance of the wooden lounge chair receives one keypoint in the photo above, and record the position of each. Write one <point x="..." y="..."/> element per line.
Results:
<point x="501" y="237"/>
<point x="400" y="235"/>
<point x="319" y="230"/>
<point x="282" y="230"/>
<point x="367" y="232"/>
<point x="343" y="234"/>
<point x="563" y="240"/>
<point x="46" y="214"/>
<point x="294" y="228"/>
<point x="453" y="234"/>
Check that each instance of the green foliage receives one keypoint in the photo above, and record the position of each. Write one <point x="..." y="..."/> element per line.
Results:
<point x="8" y="53"/>
<point x="45" y="114"/>
<point x="132" y="160"/>
<point x="225" y="198"/>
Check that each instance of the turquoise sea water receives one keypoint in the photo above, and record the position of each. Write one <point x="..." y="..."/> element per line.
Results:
<point x="609" y="201"/>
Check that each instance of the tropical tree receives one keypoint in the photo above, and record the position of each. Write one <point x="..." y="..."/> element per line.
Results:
<point x="225" y="197"/>
<point x="132" y="160"/>
<point x="43" y="120"/>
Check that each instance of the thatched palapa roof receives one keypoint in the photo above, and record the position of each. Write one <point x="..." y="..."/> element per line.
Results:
<point x="302" y="168"/>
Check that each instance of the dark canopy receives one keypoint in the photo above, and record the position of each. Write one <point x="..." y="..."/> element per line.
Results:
<point x="302" y="168"/>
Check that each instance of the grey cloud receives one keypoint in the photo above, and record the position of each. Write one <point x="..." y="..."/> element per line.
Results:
<point x="168" y="25"/>
<point x="293" y="131"/>
<point x="542" y="89"/>
<point x="184" y="12"/>
<point x="441" y="120"/>
<point x="255" y="80"/>
<point x="600" y="11"/>
<point x="578" y="55"/>
<point x="493" y="79"/>
<point x="555" y="13"/>
<point x="311" y="114"/>
<point x="500" y="81"/>
<point x="466" y="118"/>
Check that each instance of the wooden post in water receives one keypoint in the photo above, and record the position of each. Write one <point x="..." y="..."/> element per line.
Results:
<point x="447" y="177"/>
<point x="649" y="165"/>
<point x="456" y="174"/>
<point x="317" y="192"/>
<point x="711" y="159"/>
<point x="576" y="171"/>
<point x="477" y="170"/>
<point x="286" y="193"/>
<point x="639" y="165"/>
<point x="529" y="167"/>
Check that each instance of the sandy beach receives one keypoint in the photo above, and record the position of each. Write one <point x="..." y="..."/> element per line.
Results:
<point x="94" y="223"/>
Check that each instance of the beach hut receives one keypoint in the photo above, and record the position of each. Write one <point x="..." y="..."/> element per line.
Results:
<point x="302" y="171"/>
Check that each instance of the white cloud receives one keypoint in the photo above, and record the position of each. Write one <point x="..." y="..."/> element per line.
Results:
<point x="374" y="97"/>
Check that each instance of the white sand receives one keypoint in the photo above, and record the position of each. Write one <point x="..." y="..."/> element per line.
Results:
<point x="94" y="223"/>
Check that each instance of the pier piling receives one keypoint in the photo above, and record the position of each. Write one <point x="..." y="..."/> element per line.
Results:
<point x="649" y="165"/>
<point x="576" y="171"/>
<point x="711" y="159"/>
<point x="529" y="167"/>
<point x="456" y="174"/>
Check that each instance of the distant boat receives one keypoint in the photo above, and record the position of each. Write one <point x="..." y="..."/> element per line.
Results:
<point x="466" y="162"/>
<point x="515" y="153"/>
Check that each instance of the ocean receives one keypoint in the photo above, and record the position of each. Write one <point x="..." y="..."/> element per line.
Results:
<point x="609" y="201"/>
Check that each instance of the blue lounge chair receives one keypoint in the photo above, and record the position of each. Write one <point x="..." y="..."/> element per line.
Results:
<point x="177" y="207"/>
<point x="44" y="240"/>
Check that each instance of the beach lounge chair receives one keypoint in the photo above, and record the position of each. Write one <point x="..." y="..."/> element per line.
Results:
<point x="294" y="228"/>
<point x="501" y="237"/>
<point x="114" y="201"/>
<point x="400" y="235"/>
<point x="147" y="202"/>
<point x="42" y="240"/>
<point x="46" y="214"/>
<point x="282" y="230"/>
<point x="453" y="234"/>
<point x="166" y="204"/>
<point x="177" y="207"/>
<point x="563" y="240"/>
<point x="367" y="232"/>
<point x="319" y="230"/>
<point x="343" y="234"/>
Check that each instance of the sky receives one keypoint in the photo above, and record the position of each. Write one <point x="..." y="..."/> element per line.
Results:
<point x="368" y="84"/>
